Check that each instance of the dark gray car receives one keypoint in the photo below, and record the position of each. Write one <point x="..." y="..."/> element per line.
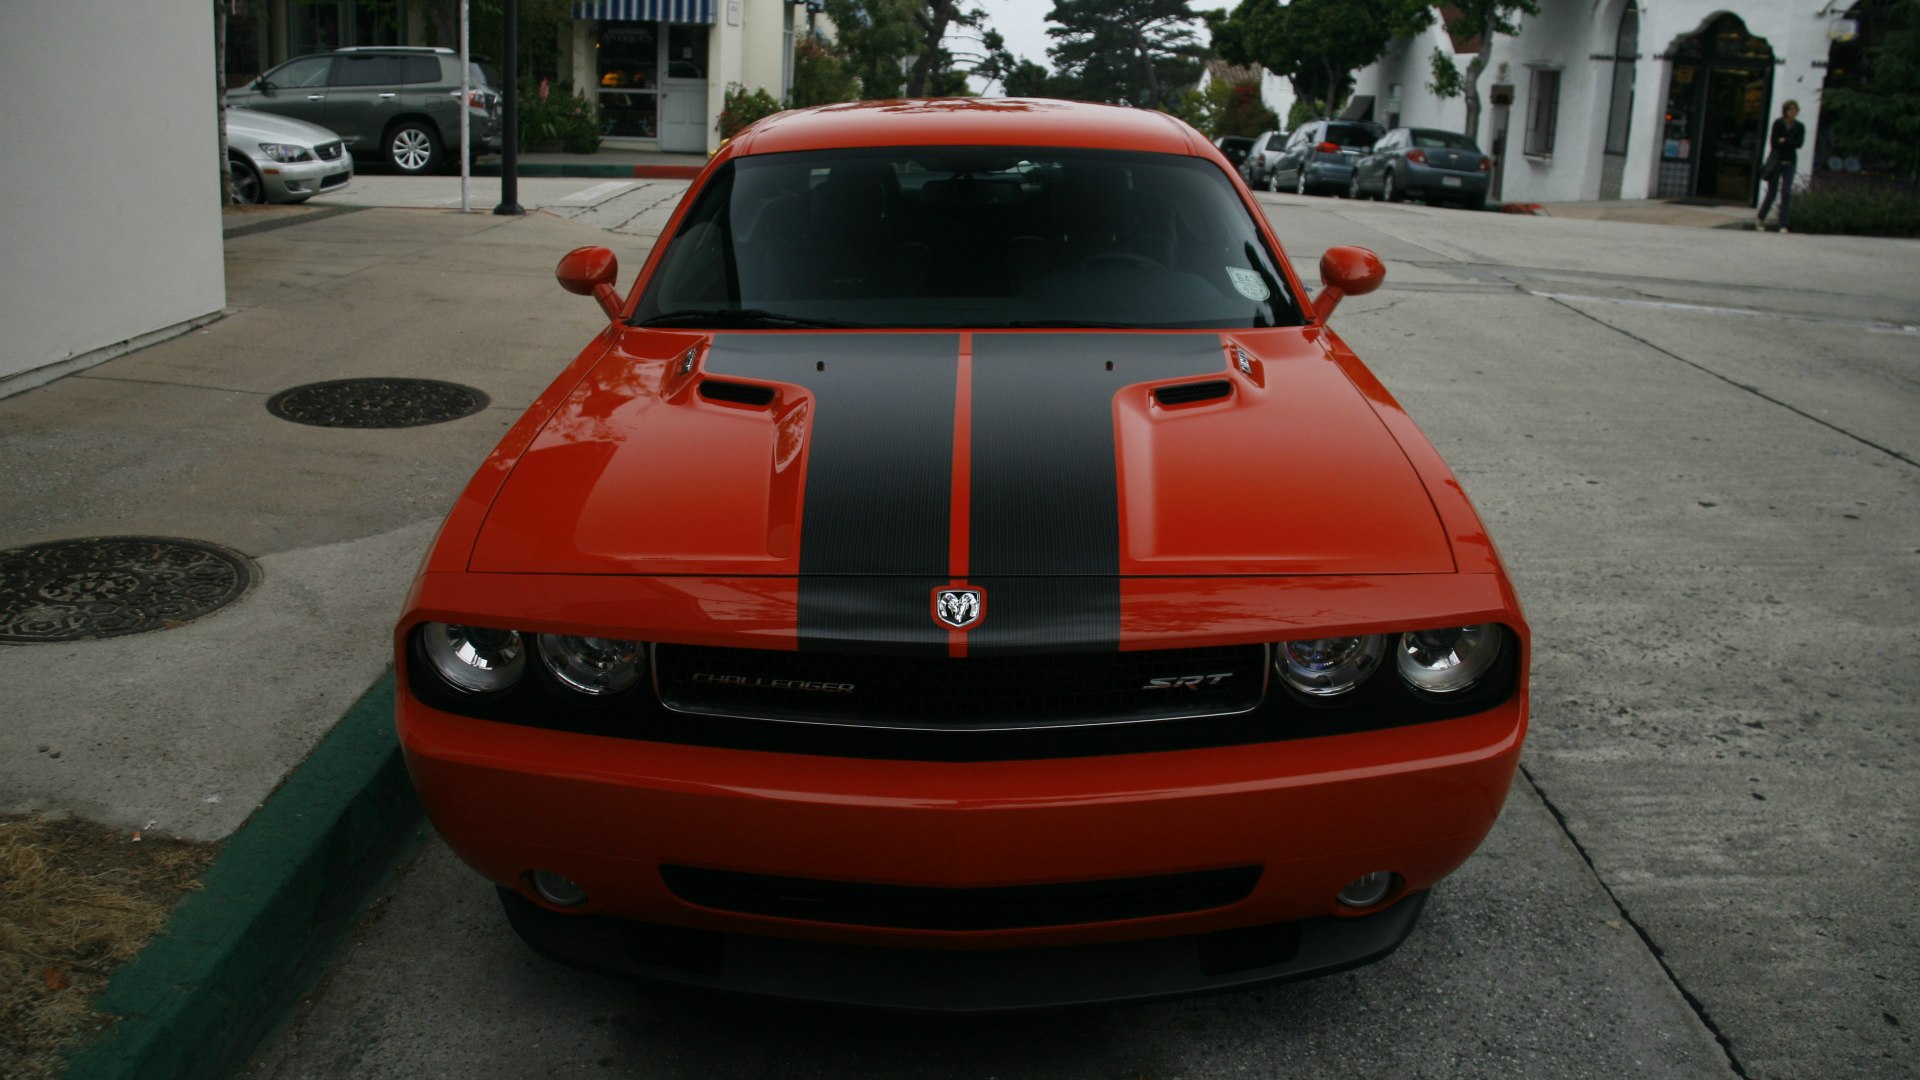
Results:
<point x="1319" y="156"/>
<point x="1423" y="163"/>
<point x="393" y="104"/>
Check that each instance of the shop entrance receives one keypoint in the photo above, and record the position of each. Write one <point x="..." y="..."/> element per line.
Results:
<point x="653" y="82"/>
<point x="1715" y="134"/>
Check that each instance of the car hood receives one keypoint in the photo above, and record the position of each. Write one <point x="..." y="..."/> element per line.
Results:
<point x="271" y="128"/>
<point x="964" y="455"/>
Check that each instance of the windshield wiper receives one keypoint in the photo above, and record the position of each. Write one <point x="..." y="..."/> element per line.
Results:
<point x="737" y="318"/>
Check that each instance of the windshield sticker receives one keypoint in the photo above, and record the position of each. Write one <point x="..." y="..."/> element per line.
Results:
<point x="1249" y="283"/>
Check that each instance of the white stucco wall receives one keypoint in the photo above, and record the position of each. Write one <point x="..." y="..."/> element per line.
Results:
<point x="1578" y="40"/>
<point x="112" y="216"/>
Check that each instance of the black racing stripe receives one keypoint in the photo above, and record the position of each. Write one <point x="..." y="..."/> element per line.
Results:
<point x="1045" y="536"/>
<point x="875" y="524"/>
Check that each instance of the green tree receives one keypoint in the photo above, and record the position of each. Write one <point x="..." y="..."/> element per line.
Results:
<point x="1133" y="49"/>
<point x="1482" y="19"/>
<point x="1028" y="79"/>
<point x="1317" y="44"/>
<point x="1229" y="108"/>
<point x="821" y="75"/>
<point x="1881" y="116"/>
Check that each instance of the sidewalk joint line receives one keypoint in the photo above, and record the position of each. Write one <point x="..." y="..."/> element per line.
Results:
<point x="1653" y="948"/>
<point x="162" y="382"/>
<point x="1754" y="390"/>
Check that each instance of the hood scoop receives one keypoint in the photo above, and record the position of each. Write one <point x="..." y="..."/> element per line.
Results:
<point x="736" y="393"/>
<point x="1189" y="393"/>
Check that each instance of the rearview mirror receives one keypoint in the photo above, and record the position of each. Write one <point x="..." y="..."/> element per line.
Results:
<point x="590" y="271"/>
<point x="1346" y="271"/>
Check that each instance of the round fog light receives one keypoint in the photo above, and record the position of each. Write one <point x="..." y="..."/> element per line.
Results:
<point x="557" y="889"/>
<point x="1367" y="890"/>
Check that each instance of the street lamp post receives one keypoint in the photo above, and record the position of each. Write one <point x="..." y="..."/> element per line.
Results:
<point x="510" y="114"/>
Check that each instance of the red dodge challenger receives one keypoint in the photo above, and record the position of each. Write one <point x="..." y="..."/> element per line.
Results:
<point x="965" y="574"/>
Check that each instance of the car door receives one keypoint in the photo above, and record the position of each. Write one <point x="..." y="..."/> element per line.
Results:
<point x="1294" y="157"/>
<point x="363" y="97"/>
<point x="1367" y="170"/>
<point x="297" y="88"/>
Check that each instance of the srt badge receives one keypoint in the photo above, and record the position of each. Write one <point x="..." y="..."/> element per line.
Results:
<point x="958" y="608"/>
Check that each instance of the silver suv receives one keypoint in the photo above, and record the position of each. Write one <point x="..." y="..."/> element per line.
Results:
<point x="390" y="103"/>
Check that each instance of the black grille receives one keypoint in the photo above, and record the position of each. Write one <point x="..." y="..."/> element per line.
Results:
<point x="1186" y="393"/>
<point x="327" y="151"/>
<point x="913" y="907"/>
<point x="971" y="693"/>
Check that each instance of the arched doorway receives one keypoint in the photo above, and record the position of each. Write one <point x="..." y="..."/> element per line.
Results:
<point x="1717" y="112"/>
<point x="1626" y="53"/>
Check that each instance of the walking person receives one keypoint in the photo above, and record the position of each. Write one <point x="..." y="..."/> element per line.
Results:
<point x="1783" y="155"/>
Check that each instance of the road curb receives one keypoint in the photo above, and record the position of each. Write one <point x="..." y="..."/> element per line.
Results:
<point x="586" y="169"/>
<point x="279" y="896"/>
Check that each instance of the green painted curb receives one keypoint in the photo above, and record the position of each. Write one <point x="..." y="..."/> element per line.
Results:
<point x="234" y="955"/>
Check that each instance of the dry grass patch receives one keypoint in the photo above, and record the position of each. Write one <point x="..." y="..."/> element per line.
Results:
<point x="76" y="901"/>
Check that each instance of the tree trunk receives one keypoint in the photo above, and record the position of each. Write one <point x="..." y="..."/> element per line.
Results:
<point x="1146" y="61"/>
<point x="220" y="96"/>
<point x="1471" y="83"/>
<point x="934" y="22"/>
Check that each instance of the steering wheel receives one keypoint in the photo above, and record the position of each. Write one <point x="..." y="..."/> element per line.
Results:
<point x="1130" y="259"/>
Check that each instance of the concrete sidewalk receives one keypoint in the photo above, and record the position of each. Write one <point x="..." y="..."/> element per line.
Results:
<point x="200" y="731"/>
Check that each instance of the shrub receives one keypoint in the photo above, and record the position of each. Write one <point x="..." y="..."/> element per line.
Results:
<point x="741" y="107"/>
<point x="1858" y="207"/>
<point x="555" y="115"/>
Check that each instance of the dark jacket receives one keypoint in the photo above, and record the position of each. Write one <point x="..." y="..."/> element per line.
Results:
<point x="1783" y="145"/>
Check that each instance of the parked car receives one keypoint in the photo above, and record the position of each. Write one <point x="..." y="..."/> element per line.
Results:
<point x="1319" y="156"/>
<point x="395" y="104"/>
<point x="1257" y="169"/>
<point x="965" y="574"/>
<point x="279" y="160"/>
<point x="1233" y="148"/>
<point x="1424" y="163"/>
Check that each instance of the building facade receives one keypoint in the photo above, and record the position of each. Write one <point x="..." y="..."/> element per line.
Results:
<point x="657" y="69"/>
<point x="1623" y="99"/>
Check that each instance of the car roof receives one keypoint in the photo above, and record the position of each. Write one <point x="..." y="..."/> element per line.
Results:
<point x="970" y="122"/>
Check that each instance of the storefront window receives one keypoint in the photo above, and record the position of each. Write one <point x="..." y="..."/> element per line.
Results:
<point x="629" y="75"/>
<point x="686" y="52"/>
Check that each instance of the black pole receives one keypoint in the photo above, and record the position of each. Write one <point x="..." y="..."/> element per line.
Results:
<point x="510" y="114"/>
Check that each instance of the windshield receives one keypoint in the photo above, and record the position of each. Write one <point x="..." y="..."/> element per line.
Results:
<point x="1442" y="140"/>
<point x="1359" y="136"/>
<point x="968" y="237"/>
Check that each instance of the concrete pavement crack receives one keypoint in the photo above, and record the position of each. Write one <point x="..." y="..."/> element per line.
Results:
<point x="1754" y="390"/>
<point x="1653" y="948"/>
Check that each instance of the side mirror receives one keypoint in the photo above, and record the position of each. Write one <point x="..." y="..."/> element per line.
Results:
<point x="1346" y="271"/>
<point x="261" y="84"/>
<point x="590" y="271"/>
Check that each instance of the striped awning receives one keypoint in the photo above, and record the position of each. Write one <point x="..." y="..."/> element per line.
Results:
<point x="674" y="11"/>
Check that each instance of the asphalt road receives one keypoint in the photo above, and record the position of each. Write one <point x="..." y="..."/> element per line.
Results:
<point x="1697" y="451"/>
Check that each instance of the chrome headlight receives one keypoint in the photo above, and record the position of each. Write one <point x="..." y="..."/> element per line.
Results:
<point x="474" y="659"/>
<point x="285" y="152"/>
<point x="592" y="665"/>
<point x="1449" y="659"/>
<point x="1328" y="667"/>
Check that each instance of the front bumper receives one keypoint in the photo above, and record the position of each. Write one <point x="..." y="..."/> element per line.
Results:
<point x="294" y="181"/>
<point x="972" y="982"/>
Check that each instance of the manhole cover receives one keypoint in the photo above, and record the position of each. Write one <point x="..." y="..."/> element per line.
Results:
<point x="74" y="590"/>
<point x="376" y="403"/>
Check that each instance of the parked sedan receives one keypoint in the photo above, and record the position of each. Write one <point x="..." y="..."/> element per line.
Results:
<point x="1424" y="163"/>
<point x="896" y="604"/>
<point x="1257" y="168"/>
<point x="1233" y="148"/>
<point x="280" y="160"/>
